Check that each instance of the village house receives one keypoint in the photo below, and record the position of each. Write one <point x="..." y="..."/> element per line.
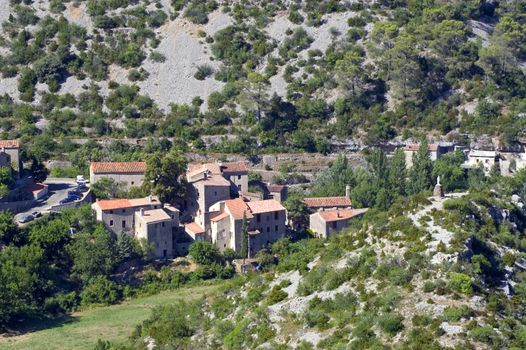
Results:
<point x="486" y="159"/>
<point x="141" y="218"/>
<point x="277" y="192"/>
<point x="130" y="174"/>
<point x="330" y="203"/>
<point x="10" y="155"/>
<point x="436" y="150"/>
<point x="265" y="222"/>
<point x="325" y="223"/>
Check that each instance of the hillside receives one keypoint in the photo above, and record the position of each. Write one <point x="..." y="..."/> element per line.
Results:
<point x="256" y="77"/>
<point x="429" y="274"/>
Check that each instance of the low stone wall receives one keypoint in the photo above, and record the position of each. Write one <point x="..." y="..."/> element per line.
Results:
<point x="85" y="200"/>
<point x="18" y="206"/>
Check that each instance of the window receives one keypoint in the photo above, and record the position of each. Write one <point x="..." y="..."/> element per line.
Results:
<point x="215" y="193"/>
<point x="334" y="225"/>
<point x="162" y="224"/>
<point x="239" y="177"/>
<point x="133" y="183"/>
<point x="123" y="223"/>
<point x="276" y="215"/>
<point x="258" y="217"/>
<point x="268" y="218"/>
<point x="111" y="223"/>
<point x="124" y="210"/>
<point x="239" y="187"/>
<point x="276" y="228"/>
<point x="111" y="211"/>
<point x="164" y="253"/>
<point x="268" y="229"/>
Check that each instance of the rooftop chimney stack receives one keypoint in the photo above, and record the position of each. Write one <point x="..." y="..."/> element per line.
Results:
<point x="348" y="191"/>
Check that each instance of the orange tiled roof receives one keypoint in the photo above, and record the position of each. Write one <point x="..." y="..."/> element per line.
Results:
<point x="154" y="215"/>
<point x="275" y="188"/>
<point x="266" y="206"/>
<point x="215" y="180"/>
<point x="327" y="201"/>
<point x="194" y="228"/>
<point x="234" y="167"/>
<point x="238" y="208"/>
<point x="219" y="217"/>
<point x="338" y="215"/>
<point x="118" y="167"/>
<point x="9" y="144"/>
<point x="110" y="204"/>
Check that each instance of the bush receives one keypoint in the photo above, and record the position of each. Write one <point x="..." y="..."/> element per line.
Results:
<point x="460" y="282"/>
<point x="391" y="323"/>
<point x="276" y="295"/>
<point x="101" y="291"/>
<point x="203" y="72"/>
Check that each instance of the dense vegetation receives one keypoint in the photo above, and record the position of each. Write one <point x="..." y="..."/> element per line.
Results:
<point x="400" y="69"/>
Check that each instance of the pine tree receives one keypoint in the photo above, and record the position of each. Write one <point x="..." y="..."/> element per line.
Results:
<point x="421" y="172"/>
<point x="244" y="238"/>
<point x="397" y="173"/>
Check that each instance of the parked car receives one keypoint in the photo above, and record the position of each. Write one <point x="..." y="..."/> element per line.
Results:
<point x="36" y="214"/>
<point x="26" y="218"/>
<point x="74" y="192"/>
<point x="66" y="200"/>
<point x="83" y="188"/>
<point x="74" y="197"/>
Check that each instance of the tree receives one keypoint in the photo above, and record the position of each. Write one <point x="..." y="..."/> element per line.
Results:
<point x="38" y="170"/>
<point x="452" y="176"/>
<point x="397" y="173"/>
<point x="245" y="248"/>
<point x="9" y="232"/>
<point x="164" y="175"/>
<point x="421" y="171"/>
<point x="204" y="253"/>
<point x="381" y="43"/>
<point x="93" y="253"/>
<point x="297" y="211"/>
<point x="254" y="95"/>
<point x="106" y="188"/>
<point x="349" y="73"/>
<point x="332" y="181"/>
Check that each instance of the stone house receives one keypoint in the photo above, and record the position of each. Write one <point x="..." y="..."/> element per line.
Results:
<point x="130" y="174"/>
<point x="10" y="155"/>
<point x="265" y="219"/>
<point x="277" y="192"/>
<point x="325" y="223"/>
<point x="141" y="218"/>
<point x="436" y="150"/>
<point x="485" y="158"/>
<point x="328" y="203"/>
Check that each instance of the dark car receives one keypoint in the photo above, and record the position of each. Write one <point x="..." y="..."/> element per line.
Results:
<point x="36" y="214"/>
<point x="26" y="218"/>
<point x="74" y="197"/>
<point x="74" y="192"/>
<point x="66" y="200"/>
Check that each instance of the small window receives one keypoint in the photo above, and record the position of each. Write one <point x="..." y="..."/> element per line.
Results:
<point x="268" y="218"/>
<point x="162" y="224"/>
<point x="124" y="210"/>
<point x="268" y="229"/>
<point x="111" y="223"/>
<point x="215" y="193"/>
<point x="258" y="217"/>
<point x="334" y="225"/>
<point x="111" y="211"/>
<point x="239" y="177"/>
<point x="276" y="215"/>
<point x="276" y="228"/>
<point x="123" y="223"/>
<point x="133" y="183"/>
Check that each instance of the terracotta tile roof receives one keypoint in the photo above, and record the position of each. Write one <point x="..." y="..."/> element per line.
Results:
<point x="215" y="181"/>
<point x="237" y="208"/>
<point x="9" y="144"/>
<point x="154" y="215"/>
<point x="266" y="206"/>
<point x="195" y="169"/>
<point x="276" y="188"/>
<point x="327" y="202"/>
<point x="118" y="167"/>
<point x="194" y="228"/>
<point x="234" y="167"/>
<point x="219" y="217"/>
<point x="339" y="215"/>
<point x="111" y="204"/>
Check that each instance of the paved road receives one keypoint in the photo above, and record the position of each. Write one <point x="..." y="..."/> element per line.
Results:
<point x="58" y="190"/>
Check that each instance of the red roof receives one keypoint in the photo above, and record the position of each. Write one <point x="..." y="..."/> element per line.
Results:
<point x="194" y="228"/>
<point x="266" y="206"/>
<point x="110" y="204"/>
<point x="238" y="208"/>
<point x="338" y="215"/>
<point x="327" y="201"/>
<point x="234" y="167"/>
<point x="118" y="167"/>
<point x="9" y="144"/>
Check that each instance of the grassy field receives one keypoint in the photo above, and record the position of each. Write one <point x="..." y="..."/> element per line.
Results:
<point x="114" y="323"/>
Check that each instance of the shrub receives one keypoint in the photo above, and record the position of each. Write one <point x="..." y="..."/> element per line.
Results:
<point x="101" y="291"/>
<point x="157" y="57"/>
<point x="460" y="282"/>
<point x="391" y="323"/>
<point x="276" y="295"/>
<point x="456" y="313"/>
<point x="203" y="72"/>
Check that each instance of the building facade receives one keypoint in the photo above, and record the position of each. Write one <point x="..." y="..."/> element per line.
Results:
<point x="10" y="155"/>
<point x="326" y="223"/>
<point x="130" y="174"/>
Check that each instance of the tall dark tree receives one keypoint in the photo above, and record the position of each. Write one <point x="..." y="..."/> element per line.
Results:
<point x="397" y="173"/>
<point x="38" y="170"/>
<point x="244" y="252"/>
<point x="420" y="174"/>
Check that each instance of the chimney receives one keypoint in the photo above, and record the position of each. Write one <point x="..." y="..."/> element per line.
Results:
<point x="348" y="191"/>
<point x="142" y="211"/>
<point x="337" y="214"/>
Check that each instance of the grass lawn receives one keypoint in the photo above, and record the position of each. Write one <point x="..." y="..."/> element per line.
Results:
<point x="114" y="323"/>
